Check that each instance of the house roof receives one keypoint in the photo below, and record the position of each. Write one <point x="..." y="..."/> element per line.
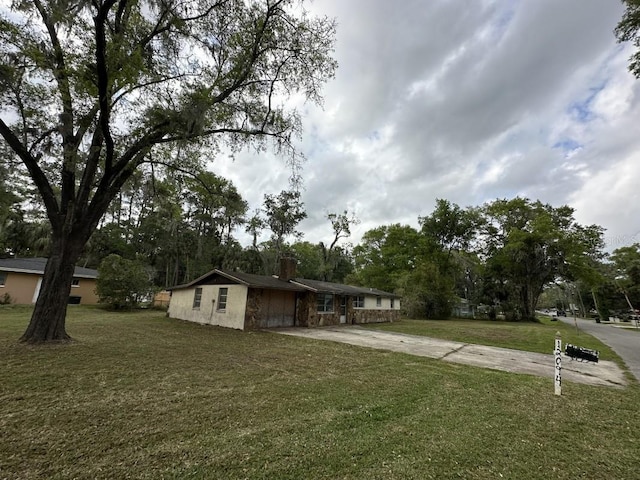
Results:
<point x="261" y="281"/>
<point x="248" y="279"/>
<point x="36" y="265"/>
<point x="340" y="289"/>
<point x="274" y="283"/>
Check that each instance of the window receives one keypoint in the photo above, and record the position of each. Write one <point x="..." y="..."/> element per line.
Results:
<point x="222" y="299"/>
<point x="197" y="297"/>
<point x="358" y="302"/>
<point x="325" y="302"/>
<point x="75" y="282"/>
<point x="391" y="300"/>
<point x="378" y="301"/>
<point x="3" y="278"/>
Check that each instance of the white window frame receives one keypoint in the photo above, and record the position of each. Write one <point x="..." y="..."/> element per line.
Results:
<point x="378" y="301"/>
<point x="197" y="298"/>
<point x="323" y="307"/>
<point x="391" y="303"/>
<point x="223" y="295"/>
<point x="3" y="278"/>
<point x="75" y="282"/>
<point x="358" y="301"/>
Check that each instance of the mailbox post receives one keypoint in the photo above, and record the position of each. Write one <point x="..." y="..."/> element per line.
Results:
<point x="557" y="376"/>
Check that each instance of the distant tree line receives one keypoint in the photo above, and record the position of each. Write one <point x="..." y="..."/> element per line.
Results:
<point x="501" y="257"/>
<point x="181" y="226"/>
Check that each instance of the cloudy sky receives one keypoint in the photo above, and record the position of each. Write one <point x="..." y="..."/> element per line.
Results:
<point x="468" y="101"/>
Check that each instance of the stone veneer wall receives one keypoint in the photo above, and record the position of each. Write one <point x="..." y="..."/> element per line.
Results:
<point x="307" y="312"/>
<point x="254" y="307"/>
<point x="360" y="315"/>
<point x="303" y="309"/>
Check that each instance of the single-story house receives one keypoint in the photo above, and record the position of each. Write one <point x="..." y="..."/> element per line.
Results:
<point x="248" y="302"/>
<point x="21" y="278"/>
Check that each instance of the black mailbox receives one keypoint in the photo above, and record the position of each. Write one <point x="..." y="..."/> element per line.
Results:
<point x="581" y="354"/>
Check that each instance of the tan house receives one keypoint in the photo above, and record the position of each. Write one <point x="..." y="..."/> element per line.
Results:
<point x="248" y="302"/>
<point x="21" y="278"/>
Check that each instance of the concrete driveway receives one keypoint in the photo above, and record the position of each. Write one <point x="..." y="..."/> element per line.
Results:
<point x="603" y="373"/>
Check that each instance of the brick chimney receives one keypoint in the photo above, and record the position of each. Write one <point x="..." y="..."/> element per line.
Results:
<point x="287" y="268"/>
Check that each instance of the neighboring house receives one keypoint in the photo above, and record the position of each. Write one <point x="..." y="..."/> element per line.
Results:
<point x="21" y="278"/>
<point x="247" y="302"/>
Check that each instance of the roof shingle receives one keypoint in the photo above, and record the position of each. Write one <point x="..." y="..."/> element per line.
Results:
<point x="274" y="283"/>
<point x="36" y="265"/>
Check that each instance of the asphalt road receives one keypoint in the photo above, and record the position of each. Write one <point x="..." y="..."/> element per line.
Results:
<point x="626" y="343"/>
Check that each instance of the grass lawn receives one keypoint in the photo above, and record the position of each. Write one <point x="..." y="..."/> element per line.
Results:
<point x="138" y="395"/>
<point x="529" y="336"/>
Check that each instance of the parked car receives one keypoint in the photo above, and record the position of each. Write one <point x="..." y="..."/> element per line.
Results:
<point x="561" y="313"/>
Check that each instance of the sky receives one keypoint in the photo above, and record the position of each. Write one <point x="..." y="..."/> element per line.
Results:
<point x="468" y="101"/>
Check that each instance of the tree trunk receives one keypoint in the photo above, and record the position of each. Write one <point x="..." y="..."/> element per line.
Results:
<point x="48" y="319"/>
<point x="595" y="302"/>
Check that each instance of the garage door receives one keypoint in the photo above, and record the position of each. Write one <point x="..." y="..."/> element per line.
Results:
<point x="279" y="308"/>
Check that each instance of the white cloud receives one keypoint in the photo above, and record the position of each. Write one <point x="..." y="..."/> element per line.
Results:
<point x="434" y="99"/>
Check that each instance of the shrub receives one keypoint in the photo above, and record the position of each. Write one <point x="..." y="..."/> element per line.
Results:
<point x="123" y="283"/>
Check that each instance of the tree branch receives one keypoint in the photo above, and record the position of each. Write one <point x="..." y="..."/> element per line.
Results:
<point x="109" y="188"/>
<point x="215" y="131"/>
<point x="90" y="169"/>
<point x="85" y="122"/>
<point x="69" y="144"/>
<point x="126" y="92"/>
<point x="255" y="54"/>
<point x="41" y="138"/>
<point x="272" y="83"/>
<point x="104" y="89"/>
<point x="38" y="176"/>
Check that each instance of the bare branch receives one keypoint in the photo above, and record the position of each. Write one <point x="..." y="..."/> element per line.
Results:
<point x="140" y="86"/>
<point x="44" y="135"/>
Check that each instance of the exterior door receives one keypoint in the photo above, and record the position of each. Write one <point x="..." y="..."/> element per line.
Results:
<point x="279" y="309"/>
<point x="343" y="309"/>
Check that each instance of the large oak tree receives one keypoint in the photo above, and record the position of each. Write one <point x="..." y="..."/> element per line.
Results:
<point x="527" y="245"/>
<point x="91" y="90"/>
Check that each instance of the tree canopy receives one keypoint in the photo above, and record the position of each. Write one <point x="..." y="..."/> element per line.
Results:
<point x="628" y="30"/>
<point x="93" y="90"/>
<point x="501" y="255"/>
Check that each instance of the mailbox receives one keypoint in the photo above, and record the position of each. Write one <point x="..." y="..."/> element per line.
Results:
<point x="581" y="354"/>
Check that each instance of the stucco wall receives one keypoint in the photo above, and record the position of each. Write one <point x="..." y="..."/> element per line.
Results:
<point x="370" y="302"/>
<point x="86" y="289"/>
<point x="20" y="287"/>
<point x="181" y="306"/>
